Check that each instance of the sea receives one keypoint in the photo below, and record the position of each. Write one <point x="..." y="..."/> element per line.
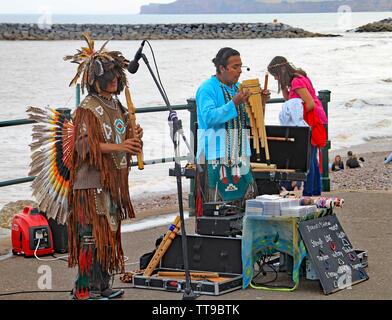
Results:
<point x="355" y="67"/>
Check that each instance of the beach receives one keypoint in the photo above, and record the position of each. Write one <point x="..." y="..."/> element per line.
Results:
<point x="373" y="175"/>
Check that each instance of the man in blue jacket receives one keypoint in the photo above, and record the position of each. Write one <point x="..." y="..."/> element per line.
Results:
<point x="223" y="144"/>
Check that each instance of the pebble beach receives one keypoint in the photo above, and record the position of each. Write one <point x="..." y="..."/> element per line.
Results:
<point x="373" y="174"/>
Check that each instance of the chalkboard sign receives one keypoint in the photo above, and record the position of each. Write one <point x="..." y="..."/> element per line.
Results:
<point x="331" y="253"/>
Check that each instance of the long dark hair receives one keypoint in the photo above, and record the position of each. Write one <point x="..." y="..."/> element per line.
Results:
<point x="223" y="56"/>
<point x="290" y="72"/>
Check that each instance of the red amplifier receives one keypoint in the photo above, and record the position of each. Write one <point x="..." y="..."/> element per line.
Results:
<point x="30" y="233"/>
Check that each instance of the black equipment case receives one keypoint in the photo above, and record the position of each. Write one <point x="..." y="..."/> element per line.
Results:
<point x="59" y="233"/>
<point x="286" y="154"/>
<point x="292" y="155"/>
<point x="205" y="254"/>
<point x="219" y="208"/>
<point x="60" y="236"/>
<point x="226" y="226"/>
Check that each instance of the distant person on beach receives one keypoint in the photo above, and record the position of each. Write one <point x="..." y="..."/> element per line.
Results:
<point x="294" y="83"/>
<point x="223" y="146"/>
<point x="352" y="161"/>
<point x="99" y="191"/>
<point x="337" y="165"/>
<point x="388" y="159"/>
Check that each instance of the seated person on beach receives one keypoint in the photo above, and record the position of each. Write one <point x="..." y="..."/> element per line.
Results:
<point x="223" y="147"/>
<point x="352" y="161"/>
<point x="389" y="159"/>
<point x="337" y="165"/>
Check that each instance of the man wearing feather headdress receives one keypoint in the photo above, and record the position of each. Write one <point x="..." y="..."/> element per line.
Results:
<point x="82" y="169"/>
<point x="99" y="192"/>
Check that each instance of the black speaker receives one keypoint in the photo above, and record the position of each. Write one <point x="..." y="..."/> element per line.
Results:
<point x="60" y="235"/>
<point x="226" y="226"/>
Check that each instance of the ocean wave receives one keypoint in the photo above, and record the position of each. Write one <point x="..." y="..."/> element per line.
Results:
<point x="352" y="48"/>
<point x="358" y="103"/>
<point x="372" y="133"/>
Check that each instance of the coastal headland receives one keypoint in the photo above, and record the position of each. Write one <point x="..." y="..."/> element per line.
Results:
<point x="29" y="31"/>
<point x="384" y="25"/>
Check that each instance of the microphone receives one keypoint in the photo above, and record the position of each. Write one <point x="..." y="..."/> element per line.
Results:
<point x="134" y="64"/>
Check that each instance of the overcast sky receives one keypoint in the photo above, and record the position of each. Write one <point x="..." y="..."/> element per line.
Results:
<point x="75" y="6"/>
<point x="84" y="6"/>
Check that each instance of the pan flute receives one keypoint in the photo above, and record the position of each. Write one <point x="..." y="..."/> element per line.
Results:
<point x="255" y="108"/>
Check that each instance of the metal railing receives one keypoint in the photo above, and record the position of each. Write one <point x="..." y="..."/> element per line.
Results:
<point x="324" y="96"/>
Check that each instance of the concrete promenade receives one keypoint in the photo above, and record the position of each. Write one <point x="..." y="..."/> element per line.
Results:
<point x="365" y="217"/>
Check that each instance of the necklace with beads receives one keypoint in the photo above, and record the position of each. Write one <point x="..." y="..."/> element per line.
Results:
<point x="234" y="131"/>
<point x="112" y="103"/>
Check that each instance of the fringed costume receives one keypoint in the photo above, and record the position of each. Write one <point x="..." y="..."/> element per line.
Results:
<point x="79" y="184"/>
<point x="99" y="191"/>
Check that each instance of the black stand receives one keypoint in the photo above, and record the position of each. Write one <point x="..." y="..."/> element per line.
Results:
<point x="177" y="130"/>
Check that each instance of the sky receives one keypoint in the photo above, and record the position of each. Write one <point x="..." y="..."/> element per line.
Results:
<point x="83" y="6"/>
<point x="74" y="6"/>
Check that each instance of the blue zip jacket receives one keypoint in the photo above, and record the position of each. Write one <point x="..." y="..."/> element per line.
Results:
<point x="212" y="114"/>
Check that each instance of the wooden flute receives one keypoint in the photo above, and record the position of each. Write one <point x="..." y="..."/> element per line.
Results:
<point x="132" y="123"/>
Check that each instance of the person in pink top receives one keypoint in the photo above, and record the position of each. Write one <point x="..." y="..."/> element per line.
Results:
<point x="294" y="83"/>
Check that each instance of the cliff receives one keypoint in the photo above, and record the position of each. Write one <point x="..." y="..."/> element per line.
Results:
<point x="255" y="6"/>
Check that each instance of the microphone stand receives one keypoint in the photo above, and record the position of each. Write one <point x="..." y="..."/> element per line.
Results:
<point x="177" y="130"/>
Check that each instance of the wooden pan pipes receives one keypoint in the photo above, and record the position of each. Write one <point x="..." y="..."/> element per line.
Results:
<point x="132" y="123"/>
<point x="255" y="108"/>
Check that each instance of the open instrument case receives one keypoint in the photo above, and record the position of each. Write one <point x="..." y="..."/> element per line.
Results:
<point x="220" y="256"/>
<point x="289" y="149"/>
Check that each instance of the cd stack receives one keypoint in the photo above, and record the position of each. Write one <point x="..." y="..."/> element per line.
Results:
<point x="254" y="207"/>
<point x="269" y="205"/>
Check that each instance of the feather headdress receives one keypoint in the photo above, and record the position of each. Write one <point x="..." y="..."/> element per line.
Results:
<point x="93" y="64"/>
<point x="50" y="161"/>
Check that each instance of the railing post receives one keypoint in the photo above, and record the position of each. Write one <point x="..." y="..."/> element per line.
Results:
<point x="325" y="97"/>
<point x="77" y="100"/>
<point x="65" y="111"/>
<point x="192" y="121"/>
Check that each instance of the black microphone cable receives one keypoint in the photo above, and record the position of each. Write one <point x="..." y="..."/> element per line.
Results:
<point x="157" y="70"/>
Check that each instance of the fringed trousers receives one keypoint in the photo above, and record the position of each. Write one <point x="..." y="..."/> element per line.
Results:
<point x="93" y="246"/>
